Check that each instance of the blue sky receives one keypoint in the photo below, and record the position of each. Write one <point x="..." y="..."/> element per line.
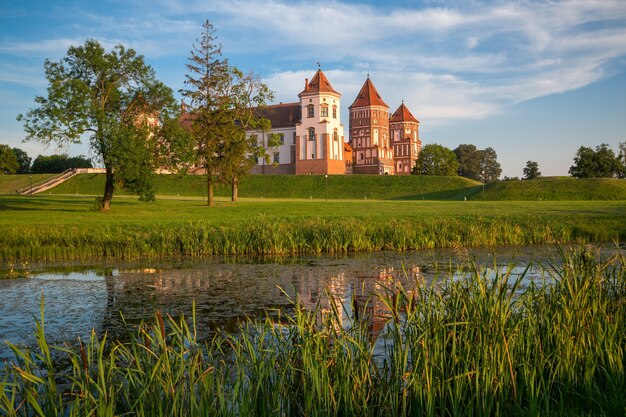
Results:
<point x="535" y="80"/>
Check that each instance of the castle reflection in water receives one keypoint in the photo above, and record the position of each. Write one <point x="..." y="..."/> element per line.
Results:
<point x="227" y="295"/>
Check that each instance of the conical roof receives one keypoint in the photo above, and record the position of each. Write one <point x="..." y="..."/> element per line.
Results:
<point x="403" y="115"/>
<point x="319" y="84"/>
<point x="368" y="96"/>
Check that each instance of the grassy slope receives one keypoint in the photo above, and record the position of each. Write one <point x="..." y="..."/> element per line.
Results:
<point x="299" y="186"/>
<point x="10" y="183"/>
<point x="63" y="227"/>
<point x="557" y="188"/>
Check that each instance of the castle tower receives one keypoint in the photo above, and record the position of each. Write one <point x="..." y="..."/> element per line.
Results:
<point x="319" y="135"/>
<point x="405" y="140"/>
<point x="369" y="132"/>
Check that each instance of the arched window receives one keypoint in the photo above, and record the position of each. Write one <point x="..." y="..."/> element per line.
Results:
<point x="310" y="112"/>
<point x="334" y="112"/>
<point x="311" y="133"/>
<point x="375" y="136"/>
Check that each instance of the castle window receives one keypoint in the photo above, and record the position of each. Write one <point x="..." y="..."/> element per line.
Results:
<point x="311" y="133"/>
<point x="310" y="111"/>
<point x="276" y="157"/>
<point x="334" y="112"/>
<point x="281" y="138"/>
<point x="335" y="136"/>
<point x="324" y="110"/>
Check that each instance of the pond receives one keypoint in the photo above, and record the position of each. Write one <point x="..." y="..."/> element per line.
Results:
<point x="105" y="295"/>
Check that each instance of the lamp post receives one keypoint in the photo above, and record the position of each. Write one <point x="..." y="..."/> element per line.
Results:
<point x="326" y="186"/>
<point x="483" y="174"/>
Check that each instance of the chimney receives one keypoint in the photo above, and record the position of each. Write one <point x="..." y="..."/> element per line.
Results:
<point x="306" y="83"/>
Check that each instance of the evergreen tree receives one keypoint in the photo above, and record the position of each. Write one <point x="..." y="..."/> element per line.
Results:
<point x="223" y="106"/>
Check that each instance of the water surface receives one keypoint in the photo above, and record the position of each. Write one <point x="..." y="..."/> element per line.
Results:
<point x="79" y="297"/>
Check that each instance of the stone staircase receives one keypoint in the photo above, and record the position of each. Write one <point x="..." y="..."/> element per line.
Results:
<point x="54" y="181"/>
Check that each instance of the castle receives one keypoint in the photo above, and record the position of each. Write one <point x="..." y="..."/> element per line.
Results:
<point x="312" y="135"/>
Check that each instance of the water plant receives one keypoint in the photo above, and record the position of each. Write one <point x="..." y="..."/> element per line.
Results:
<point x="483" y="343"/>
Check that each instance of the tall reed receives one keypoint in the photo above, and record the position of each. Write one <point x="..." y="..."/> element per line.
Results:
<point x="485" y="343"/>
<point x="272" y="235"/>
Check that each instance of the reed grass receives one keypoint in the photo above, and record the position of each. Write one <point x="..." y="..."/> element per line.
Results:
<point x="483" y="344"/>
<point x="287" y="236"/>
<point x="60" y="228"/>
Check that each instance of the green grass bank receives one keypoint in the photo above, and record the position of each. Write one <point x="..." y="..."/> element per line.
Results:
<point x="354" y="187"/>
<point x="10" y="183"/>
<point x="297" y="186"/>
<point x="483" y="345"/>
<point x="67" y="227"/>
<point x="556" y="189"/>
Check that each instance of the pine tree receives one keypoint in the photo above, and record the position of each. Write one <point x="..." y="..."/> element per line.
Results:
<point x="224" y="105"/>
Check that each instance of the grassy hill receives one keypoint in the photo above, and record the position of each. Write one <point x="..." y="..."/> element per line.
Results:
<point x="10" y="183"/>
<point x="354" y="187"/>
<point x="299" y="186"/>
<point x="556" y="188"/>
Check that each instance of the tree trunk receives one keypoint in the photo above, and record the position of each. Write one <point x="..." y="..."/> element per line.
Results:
<point x="108" y="191"/>
<point x="209" y="185"/>
<point x="235" y="187"/>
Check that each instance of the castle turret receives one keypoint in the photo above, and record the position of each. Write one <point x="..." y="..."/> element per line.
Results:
<point x="405" y="139"/>
<point x="319" y="135"/>
<point x="369" y="132"/>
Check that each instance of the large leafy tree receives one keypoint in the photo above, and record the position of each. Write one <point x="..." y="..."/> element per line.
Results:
<point x="435" y="159"/>
<point x="598" y="163"/>
<point x="114" y="100"/>
<point x="223" y="107"/>
<point x="8" y="161"/>
<point x="490" y="167"/>
<point x="480" y="165"/>
<point x="531" y="170"/>
<point x="23" y="160"/>
<point x="469" y="158"/>
<point x="248" y="96"/>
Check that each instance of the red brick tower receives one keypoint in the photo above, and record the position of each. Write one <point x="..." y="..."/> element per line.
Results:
<point x="369" y="132"/>
<point x="405" y="139"/>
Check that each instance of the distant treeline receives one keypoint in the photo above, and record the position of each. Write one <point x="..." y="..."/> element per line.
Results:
<point x="59" y="163"/>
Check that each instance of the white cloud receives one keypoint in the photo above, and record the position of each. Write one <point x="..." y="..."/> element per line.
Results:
<point x="456" y="60"/>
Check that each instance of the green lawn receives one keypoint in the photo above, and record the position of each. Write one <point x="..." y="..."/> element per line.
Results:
<point x="61" y="227"/>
